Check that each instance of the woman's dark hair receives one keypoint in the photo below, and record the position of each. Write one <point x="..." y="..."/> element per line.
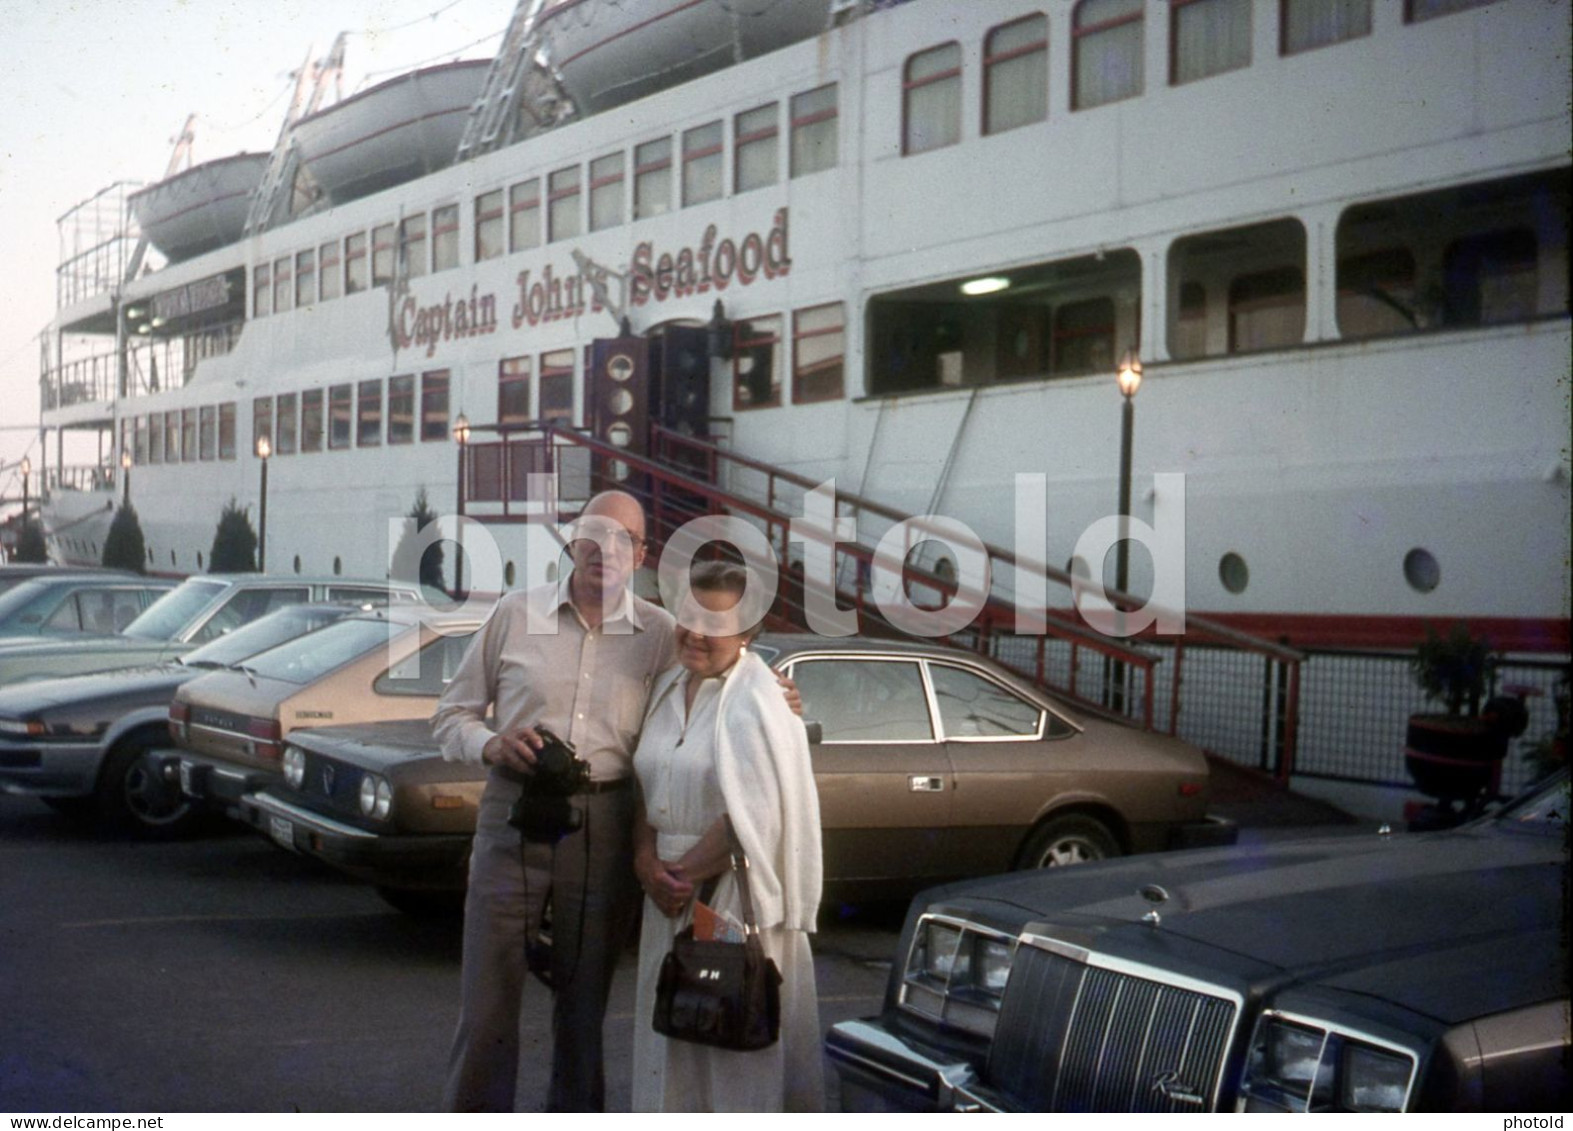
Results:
<point x="723" y="577"/>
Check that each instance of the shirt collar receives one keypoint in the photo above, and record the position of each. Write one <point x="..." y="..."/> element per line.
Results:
<point x="626" y="609"/>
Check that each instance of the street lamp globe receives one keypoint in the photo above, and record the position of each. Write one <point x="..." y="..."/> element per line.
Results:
<point x="1129" y="375"/>
<point x="264" y="447"/>
<point x="461" y="429"/>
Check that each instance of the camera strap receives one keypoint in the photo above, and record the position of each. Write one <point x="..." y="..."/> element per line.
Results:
<point x="538" y="954"/>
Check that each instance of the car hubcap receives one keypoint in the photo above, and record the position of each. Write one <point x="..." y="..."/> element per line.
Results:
<point x="151" y="799"/>
<point x="1071" y="850"/>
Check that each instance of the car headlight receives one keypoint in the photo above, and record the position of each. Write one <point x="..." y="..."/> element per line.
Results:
<point x="376" y="797"/>
<point x="956" y="973"/>
<point x="1297" y="1064"/>
<point x="294" y="766"/>
<point x="21" y="728"/>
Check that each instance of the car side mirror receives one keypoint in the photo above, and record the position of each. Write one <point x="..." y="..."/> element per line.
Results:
<point x="816" y="732"/>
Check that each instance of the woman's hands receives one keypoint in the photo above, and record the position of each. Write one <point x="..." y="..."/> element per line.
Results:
<point x="663" y="882"/>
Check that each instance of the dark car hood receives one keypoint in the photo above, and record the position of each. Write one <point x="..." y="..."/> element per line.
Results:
<point x="374" y="746"/>
<point x="1403" y="917"/>
<point x="152" y="684"/>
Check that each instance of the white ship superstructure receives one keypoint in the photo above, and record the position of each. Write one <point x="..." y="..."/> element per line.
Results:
<point x="915" y="241"/>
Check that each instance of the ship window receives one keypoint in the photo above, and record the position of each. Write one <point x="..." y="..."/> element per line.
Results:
<point x="208" y="434"/>
<point x="488" y="226"/>
<point x="524" y="215"/>
<point x="172" y="437"/>
<point x="329" y="266"/>
<point x="445" y="237"/>
<point x="401" y="409"/>
<point x="756" y="366"/>
<point x="282" y="288"/>
<point x="155" y="438"/>
<point x="1016" y="75"/>
<point x="931" y="111"/>
<point x="261" y="291"/>
<point x="756" y="140"/>
<point x="1233" y="573"/>
<point x="305" y="278"/>
<point x="702" y="166"/>
<point x="1084" y="337"/>
<point x="1208" y="37"/>
<point x="261" y="420"/>
<point x="287" y="420"/>
<point x="1307" y="24"/>
<point x="434" y="405"/>
<point x="606" y="192"/>
<point x="355" y="273"/>
<point x="815" y="139"/>
<point x="226" y="430"/>
<point x="311" y="420"/>
<point x="1376" y="294"/>
<point x="1490" y="277"/>
<point x="139" y="441"/>
<point x="1417" y="10"/>
<point x="1266" y="310"/>
<point x="412" y="246"/>
<point x="562" y="196"/>
<point x="653" y="178"/>
<point x="368" y="418"/>
<point x="1189" y="338"/>
<point x="1107" y="58"/>
<point x="340" y="410"/>
<point x="382" y="252"/>
<point x="818" y="353"/>
<point x="557" y="387"/>
<point x="513" y="390"/>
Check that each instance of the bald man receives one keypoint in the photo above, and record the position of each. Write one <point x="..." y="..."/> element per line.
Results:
<point x="577" y="657"/>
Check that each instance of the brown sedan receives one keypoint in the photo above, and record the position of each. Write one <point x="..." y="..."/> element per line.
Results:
<point x="932" y="764"/>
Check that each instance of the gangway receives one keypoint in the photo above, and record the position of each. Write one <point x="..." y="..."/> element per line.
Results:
<point x="1228" y="691"/>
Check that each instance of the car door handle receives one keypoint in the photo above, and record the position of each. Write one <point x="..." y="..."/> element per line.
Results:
<point x="922" y="783"/>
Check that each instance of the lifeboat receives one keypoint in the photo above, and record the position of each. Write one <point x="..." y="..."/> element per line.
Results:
<point x="394" y="132"/>
<point x="200" y="209"/>
<point x="608" y="52"/>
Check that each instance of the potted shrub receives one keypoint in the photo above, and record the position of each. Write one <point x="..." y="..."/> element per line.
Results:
<point x="1453" y="756"/>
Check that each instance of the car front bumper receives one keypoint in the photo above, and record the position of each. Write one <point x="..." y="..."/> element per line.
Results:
<point x="879" y="1071"/>
<point x="210" y="783"/>
<point x="49" y="769"/>
<point x="433" y="861"/>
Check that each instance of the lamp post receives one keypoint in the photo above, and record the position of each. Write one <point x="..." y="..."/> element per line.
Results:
<point x="27" y="470"/>
<point x="125" y="479"/>
<point x="1129" y="379"/>
<point x="264" y="450"/>
<point x="461" y="436"/>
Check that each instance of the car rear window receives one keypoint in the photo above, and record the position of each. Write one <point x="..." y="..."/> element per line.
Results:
<point x="865" y="700"/>
<point x="306" y="659"/>
<point x="267" y="632"/>
<point x="245" y="606"/>
<point x="174" y="610"/>
<point x="425" y="672"/>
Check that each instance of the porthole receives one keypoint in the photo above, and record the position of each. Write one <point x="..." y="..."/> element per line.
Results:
<point x="150" y="555"/>
<point x="1233" y="572"/>
<point x="619" y="470"/>
<point x="619" y="367"/>
<point x="1421" y="570"/>
<point x="172" y="557"/>
<point x="507" y="575"/>
<point x="297" y="563"/>
<point x="619" y="435"/>
<point x="621" y="402"/>
<point x="199" y="559"/>
<point x="338" y="566"/>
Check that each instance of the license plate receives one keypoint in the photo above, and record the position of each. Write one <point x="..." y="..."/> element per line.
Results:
<point x="185" y="778"/>
<point x="282" y="831"/>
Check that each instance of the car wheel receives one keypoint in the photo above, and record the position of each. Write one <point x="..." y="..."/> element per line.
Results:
<point x="1072" y="839"/>
<point x="424" y="904"/>
<point x="133" y="798"/>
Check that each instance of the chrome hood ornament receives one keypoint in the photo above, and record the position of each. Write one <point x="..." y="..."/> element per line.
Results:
<point x="1156" y="896"/>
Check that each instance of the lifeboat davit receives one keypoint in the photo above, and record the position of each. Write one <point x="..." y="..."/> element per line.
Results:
<point x="394" y="132"/>
<point x="200" y="209"/>
<point x="608" y="52"/>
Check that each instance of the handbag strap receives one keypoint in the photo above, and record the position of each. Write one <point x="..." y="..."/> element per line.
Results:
<point x="740" y="866"/>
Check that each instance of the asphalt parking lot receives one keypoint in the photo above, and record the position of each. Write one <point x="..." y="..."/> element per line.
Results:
<point x="223" y="974"/>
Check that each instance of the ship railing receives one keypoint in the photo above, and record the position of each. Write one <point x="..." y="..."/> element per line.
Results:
<point x="98" y="239"/>
<point x="78" y="477"/>
<point x="1226" y="690"/>
<point x="80" y="381"/>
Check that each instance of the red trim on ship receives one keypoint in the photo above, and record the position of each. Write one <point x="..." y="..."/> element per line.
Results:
<point x="1315" y="630"/>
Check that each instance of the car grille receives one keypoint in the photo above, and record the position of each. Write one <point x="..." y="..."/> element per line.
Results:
<point x="332" y="785"/>
<point x="1073" y="1036"/>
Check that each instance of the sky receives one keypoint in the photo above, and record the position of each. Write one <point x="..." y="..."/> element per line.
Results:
<point x="96" y="91"/>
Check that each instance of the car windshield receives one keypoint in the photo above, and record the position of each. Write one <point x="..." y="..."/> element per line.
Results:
<point x="303" y="660"/>
<point x="267" y="632"/>
<point x="1546" y="807"/>
<point x="17" y="604"/>
<point x="174" y="610"/>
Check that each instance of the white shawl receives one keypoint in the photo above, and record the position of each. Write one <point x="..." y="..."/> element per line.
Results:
<point x="767" y="780"/>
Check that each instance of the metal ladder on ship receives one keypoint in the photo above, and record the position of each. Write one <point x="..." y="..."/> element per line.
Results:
<point x="492" y="118"/>
<point x="284" y="161"/>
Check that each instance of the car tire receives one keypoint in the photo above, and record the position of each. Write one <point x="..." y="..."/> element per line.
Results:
<point x="133" y="799"/>
<point x="1072" y="839"/>
<point x="420" y="904"/>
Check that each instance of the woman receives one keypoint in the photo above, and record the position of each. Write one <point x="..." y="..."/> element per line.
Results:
<point x="720" y="740"/>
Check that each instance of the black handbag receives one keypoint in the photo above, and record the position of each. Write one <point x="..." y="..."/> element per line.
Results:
<point x="723" y="994"/>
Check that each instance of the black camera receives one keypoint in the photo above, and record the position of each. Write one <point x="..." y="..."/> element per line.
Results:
<point x="543" y="813"/>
